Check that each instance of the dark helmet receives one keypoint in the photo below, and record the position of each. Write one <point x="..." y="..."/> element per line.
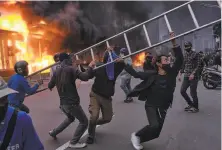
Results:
<point x="21" y="67"/>
<point x="56" y="57"/>
<point x="188" y="44"/>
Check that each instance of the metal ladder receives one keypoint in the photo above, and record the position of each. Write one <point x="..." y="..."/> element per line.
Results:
<point x="143" y="25"/>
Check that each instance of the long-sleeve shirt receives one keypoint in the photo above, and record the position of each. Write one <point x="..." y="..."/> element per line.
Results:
<point x="19" y="83"/>
<point x="191" y="64"/>
<point x="24" y="136"/>
<point x="68" y="93"/>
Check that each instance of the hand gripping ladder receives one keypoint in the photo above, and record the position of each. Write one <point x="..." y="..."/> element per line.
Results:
<point x="143" y="25"/>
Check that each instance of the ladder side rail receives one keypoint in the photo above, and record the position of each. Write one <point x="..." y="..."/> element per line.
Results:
<point x="43" y="69"/>
<point x="165" y="41"/>
<point x="152" y="19"/>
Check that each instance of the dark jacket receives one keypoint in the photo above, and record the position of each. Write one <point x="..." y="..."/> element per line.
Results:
<point x="102" y="85"/>
<point x="142" y="90"/>
<point x="68" y="93"/>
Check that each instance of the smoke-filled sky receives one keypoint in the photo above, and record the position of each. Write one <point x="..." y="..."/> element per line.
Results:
<point x="96" y="20"/>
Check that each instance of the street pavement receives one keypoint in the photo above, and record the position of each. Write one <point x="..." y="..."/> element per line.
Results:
<point x="181" y="130"/>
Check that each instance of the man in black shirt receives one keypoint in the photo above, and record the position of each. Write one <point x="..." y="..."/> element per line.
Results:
<point x="64" y="79"/>
<point x="102" y="91"/>
<point x="157" y="90"/>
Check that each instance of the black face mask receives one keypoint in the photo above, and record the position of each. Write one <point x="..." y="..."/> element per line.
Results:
<point x="166" y="67"/>
<point x="188" y="49"/>
<point x="3" y="110"/>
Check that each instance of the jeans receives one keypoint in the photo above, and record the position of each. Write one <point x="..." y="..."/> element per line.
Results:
<point x="156" y="117"/>
<point x="193" y="91"/>
<point x="125" y="85"/>
<point x="96" y="103"/>
<point x="72" y="112"/>
<point x="22" y="107"/>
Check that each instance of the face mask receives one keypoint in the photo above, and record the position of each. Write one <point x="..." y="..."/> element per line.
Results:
<point x="121" y="55"/>
<point x="188" y="49"/>
<point x="166" y="67"/>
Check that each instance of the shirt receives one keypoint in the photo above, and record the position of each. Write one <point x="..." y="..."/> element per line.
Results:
<point x="192" y="64"/>
<point x="19" y="83"/>
<point x="160" y="93"/>
<point x="24" y="136"/>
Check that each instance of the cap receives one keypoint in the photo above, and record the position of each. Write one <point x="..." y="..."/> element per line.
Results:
<point x="4" y="89"/>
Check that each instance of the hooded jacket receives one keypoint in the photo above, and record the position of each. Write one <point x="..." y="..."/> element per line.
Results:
<point x="143" y="90"/>
<point x="68" y="93"/>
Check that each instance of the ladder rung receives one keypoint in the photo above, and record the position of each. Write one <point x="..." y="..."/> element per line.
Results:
<point x="167" y="23"/>
<point x="127" y="43"/>
<point x="147" y="35"/>
<point x="93" y="57"/>
<point x="193" y="16"/>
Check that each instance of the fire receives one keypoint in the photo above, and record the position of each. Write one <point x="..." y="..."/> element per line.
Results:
<point x="139" y="59"/>
<point x="15" y="22"/>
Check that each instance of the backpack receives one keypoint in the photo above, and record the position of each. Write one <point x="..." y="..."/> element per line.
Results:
<point x="9" y="131"/>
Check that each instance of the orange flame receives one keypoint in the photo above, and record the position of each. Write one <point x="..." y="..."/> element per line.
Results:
<point x="139" y="59"/>
<point x="15" y="22"/>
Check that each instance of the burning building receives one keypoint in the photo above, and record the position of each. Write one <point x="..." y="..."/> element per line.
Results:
<point x="34" y="42"/>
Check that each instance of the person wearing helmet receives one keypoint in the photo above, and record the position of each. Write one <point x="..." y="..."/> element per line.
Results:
<point x="19" y="83"/>
<point x="53" y="68"/>
<point x="125" y="76"/>
<point x="191" y="68"/>
<point x="17" y="131"/>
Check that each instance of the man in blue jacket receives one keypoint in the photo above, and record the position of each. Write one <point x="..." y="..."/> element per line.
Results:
<point x="19" y="83"/>
<point x="23" y="135"/>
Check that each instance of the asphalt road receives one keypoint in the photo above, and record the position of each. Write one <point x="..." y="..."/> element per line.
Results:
<point x="181" y="130"/>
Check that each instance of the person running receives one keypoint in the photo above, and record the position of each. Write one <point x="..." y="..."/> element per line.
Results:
<point x="17" y="131"/>
<point x="156" y="90"/>
<point x="64" y="79"/>
<point x="126" y="77"/>
<point x="191" y="69"/>
<point x="102" y="91"/>
<point x="19" y="83"/>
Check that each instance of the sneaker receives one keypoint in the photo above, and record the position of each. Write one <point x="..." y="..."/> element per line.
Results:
<point x="77" y="145"/>
<point x="90" y="140"/>
<point x="136" y="141"/>
<point x="187" y="108"/>
<point x="193" y="110"/>
<point x="52" y="135"/>
<point x="128" y="100"/>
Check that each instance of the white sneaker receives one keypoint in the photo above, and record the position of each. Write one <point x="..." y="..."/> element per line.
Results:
<point x="136" y="141"/>
<point x="77" y="145"/>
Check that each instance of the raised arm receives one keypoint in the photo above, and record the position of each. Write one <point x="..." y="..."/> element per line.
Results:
<point x="139" y="74"/>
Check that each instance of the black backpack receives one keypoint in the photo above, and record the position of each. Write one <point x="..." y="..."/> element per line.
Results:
<point x="10" y="130"/>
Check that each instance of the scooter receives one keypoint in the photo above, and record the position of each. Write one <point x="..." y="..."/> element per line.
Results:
<point x="211" y="77"/>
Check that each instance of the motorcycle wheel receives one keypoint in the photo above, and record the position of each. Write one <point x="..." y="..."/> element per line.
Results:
<point x="209" y="85"/>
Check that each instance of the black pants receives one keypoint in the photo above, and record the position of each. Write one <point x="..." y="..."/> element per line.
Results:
<point x="193" y="91"/>
<point x="156" y="117"/>
<point x="72" y="112"/>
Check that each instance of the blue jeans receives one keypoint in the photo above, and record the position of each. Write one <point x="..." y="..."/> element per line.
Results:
<point x="125" y="85"/>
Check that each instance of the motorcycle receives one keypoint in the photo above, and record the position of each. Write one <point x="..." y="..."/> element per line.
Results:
<point x="211" y="77"/>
